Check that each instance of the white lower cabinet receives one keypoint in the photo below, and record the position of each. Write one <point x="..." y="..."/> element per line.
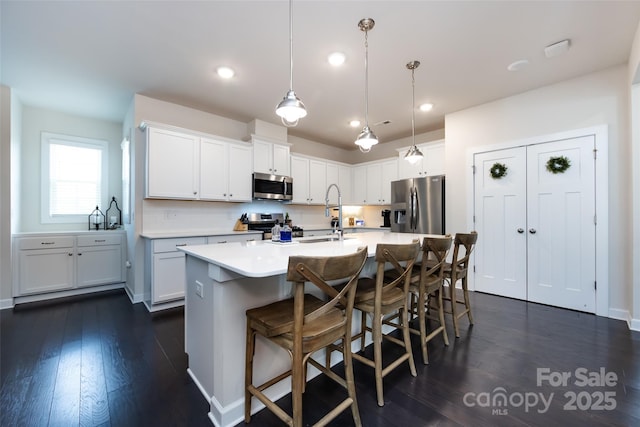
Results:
<point x="166" y="279"/>
<point x="165" y="270"/>
<point x="55" y="263"/>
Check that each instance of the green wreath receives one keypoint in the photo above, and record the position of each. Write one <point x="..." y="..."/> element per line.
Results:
<point x="558" y="164"/>
<point x="498" y="170"/>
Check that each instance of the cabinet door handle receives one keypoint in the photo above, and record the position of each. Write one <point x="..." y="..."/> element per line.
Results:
<point x="520" y="230"/>
<point x="70" y="254"/>
<point x="230" y="195"/>
<point x="195" y="192"/>
<point x="80" y="253"/>
<point x="532" y="230"/>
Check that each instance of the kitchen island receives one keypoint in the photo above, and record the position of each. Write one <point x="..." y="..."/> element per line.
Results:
<point x="222" y="282"/>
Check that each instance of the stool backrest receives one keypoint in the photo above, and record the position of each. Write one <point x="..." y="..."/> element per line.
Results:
<point x="401" y="257"/>
<point x="434" y="255"/>
<point x="319" y="271"/>
<point x="460" y="261"/>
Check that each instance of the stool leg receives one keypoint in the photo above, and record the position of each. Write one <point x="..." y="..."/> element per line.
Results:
<point x="423" y="333"/>
<point x="248" y="371"/>
<point x="454" y="303"/>
<point x="376" y="325"/>
<point x="441" y="316"/>
<point x="404" y="318"/>
<point x="297" y="387"/>
<point x="351" y="385"/>
<point x="467" y="303"/>
<point x="363" y="329"/>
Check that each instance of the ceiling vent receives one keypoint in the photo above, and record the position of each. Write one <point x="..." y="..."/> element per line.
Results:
<point x="556" y="49"/>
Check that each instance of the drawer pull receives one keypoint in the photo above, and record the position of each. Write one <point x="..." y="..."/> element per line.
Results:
<point x="47" y="243"/>
<point x="181" y="244"/>
<point x="99" y="240"/>
<point x="222" y="241"/>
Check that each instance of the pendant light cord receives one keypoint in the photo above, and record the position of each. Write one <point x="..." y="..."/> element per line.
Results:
<point x="290" y="44"/>
<point x="366" y="78"/>
<point x="413" y="106"/>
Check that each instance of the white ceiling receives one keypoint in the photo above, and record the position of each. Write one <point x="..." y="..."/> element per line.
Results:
<point x="90" y="57"/>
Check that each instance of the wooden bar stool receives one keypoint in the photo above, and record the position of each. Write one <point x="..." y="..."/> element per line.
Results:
<point x="463" y="245"/>
<point x="304" y="324"/>
<point x="426" y="290"/>
<point x="378" y="298"/>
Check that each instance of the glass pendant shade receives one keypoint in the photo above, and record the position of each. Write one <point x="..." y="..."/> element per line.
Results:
<point x="414" y="155"/>
<point x="291" y="109"/>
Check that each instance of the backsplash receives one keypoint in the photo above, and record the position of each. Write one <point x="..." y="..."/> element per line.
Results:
<point x="178" y="215"/>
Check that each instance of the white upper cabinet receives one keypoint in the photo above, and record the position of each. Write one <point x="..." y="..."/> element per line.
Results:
<point x="173" y="167"/>
<point x="372" y="182"/>
<point x="431" y="164"/>
<point x="309" y="180"/>
<point x="181" y="165"/>
<point x="270" y="157"/>
<point x="225" y="171"/>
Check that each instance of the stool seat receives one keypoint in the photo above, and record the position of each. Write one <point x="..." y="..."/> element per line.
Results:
<point x="303" y="325"/>
<point x="277" y="319"/>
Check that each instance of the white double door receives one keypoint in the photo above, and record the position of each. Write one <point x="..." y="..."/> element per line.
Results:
<point x="536" y="229"/>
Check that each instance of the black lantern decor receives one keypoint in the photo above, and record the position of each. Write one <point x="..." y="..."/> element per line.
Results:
<point x="113" y="215"/>
<point x="96" y="220"/>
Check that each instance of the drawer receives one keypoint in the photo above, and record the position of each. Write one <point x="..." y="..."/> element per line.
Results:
<point x="45" y="242"/>
<point x="100" y="240"/>
<point x="169" y="245"/>
<point x="226" y="238"/>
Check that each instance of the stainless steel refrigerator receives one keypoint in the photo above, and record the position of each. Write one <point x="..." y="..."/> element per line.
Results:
<point x="417" y="205"/>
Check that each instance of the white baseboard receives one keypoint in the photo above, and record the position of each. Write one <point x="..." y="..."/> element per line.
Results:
<point x="67" y="293"/>
<point x="6" y="303"/>
<point x="134" y="298"/>
<point x="634" y="324"/>
<point x="619" y="314"/>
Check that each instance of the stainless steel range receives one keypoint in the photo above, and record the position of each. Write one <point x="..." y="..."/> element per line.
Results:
<point x="265" y="221"/>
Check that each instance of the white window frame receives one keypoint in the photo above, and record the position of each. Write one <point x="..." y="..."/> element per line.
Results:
<point x="46" y="139"/>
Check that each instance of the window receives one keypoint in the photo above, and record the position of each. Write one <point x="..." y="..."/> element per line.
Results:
<point x="74" y="177"/>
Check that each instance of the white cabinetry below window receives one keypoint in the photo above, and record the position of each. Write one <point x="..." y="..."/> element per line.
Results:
<point x="67" y="262"/>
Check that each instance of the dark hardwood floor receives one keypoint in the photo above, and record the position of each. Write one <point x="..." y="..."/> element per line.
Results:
<point x="100" y="361"/>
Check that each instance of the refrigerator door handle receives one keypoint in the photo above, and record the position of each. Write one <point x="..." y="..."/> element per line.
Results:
<point x="412" y="216"/>
<point x="415" y="208"/>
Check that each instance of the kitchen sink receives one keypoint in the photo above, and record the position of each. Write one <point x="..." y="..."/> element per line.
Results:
<point x="324" y="239"/>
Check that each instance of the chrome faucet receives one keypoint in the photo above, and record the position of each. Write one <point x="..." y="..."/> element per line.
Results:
<point x="340" y="230"/>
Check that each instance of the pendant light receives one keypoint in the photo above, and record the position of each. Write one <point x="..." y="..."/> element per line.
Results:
<point x="414" y="155"/>
<point x="367" y="138"/>
<point x="291" y="108"/>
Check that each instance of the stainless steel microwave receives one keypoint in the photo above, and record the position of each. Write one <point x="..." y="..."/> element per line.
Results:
<point x="272" y="187"/>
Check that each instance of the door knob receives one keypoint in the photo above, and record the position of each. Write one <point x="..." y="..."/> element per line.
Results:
<point x="520" y="230"/>
<point x="532" y="230"/>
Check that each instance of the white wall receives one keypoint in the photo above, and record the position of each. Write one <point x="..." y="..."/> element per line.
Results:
<point x="633" y="80"/>
<point x="5" y="195"/>
<point x="591" y="100"/>
<point x="34" y="122"/>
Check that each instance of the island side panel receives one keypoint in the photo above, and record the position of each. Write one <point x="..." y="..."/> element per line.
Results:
<point x="215" y="337"/>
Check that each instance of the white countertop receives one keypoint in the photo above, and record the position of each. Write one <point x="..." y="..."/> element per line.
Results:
<point x="264" y="259"/>
<point x="66" y="232"/>
<point x="193" y="233"/>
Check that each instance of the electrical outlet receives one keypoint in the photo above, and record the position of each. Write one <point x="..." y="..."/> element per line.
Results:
<point x="199" y="289"/>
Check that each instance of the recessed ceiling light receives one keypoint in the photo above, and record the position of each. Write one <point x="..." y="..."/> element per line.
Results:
<point x="518" y="65"/>
<point x="426" y="107"/>
<point x="354" y="123"/>
<point x="336" y="59"/>
<point x="225" y="72"/>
